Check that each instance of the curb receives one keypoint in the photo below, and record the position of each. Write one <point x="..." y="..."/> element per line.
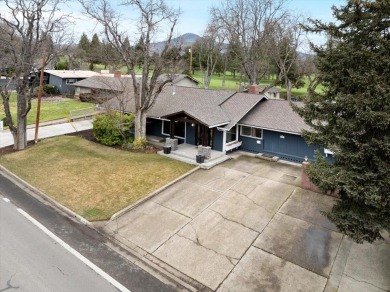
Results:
<point x="37" y="193"/>
<point x="151" y="195"/>
<point x="135" y="257"/>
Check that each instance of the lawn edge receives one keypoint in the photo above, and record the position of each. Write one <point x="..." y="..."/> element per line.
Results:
<point x="39" y="194"/>
<point x="152" y="194"/>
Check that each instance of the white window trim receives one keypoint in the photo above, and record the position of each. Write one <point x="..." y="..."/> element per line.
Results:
<point x="234" y="141"/>
<point x="185" y="130"/>
<point x="73" y="79"/>
<point x="253" y="137"/>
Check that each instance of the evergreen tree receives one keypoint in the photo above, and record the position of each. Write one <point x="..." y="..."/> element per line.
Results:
<point x="352" y="117"/>
<point x="84" y="43"/>
<point x="95" y="52"/>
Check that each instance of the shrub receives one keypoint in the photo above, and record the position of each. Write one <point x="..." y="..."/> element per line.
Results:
<point x="110" y="130"/>
<point x="62" y="65"/>
<point x="140" y="143"/>
<point x="50" y="89"/>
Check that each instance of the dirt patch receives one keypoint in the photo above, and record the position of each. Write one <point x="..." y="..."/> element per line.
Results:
<point x="10" y="149"/>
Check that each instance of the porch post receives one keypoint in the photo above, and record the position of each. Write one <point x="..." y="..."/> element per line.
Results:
<point x="224" y="142"/>
<point x="172" y="126"/>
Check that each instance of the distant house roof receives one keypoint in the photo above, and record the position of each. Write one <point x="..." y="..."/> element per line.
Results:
<point x="72" y="73"/>
<point x="177" y="78"/>
<point x="275" y="114"/>
<point x="272" y="89"/>
<point x="105" y="83"/>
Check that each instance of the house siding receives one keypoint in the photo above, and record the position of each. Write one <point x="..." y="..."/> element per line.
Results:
<point x="250" y="144"/>
<point x="61" y="85"/>
<point x="217" y="140"/>
<point x="190" y="134"/>
<point x="154" y="128"/>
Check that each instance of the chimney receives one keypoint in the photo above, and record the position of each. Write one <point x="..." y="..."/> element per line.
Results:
<point x="254" y="89"/>
<point x="117" y="74"/>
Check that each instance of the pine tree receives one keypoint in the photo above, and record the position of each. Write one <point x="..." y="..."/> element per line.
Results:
<point x="352" y="117"/>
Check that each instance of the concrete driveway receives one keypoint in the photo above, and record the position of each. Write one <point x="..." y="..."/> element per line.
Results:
<point x="246" y="225"/>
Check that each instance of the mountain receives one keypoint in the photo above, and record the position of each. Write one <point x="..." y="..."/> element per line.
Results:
<point x="182" y="41"/>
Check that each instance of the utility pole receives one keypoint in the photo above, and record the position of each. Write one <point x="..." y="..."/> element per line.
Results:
<point x="190" y="51"/>
<point x="39" y="97"/>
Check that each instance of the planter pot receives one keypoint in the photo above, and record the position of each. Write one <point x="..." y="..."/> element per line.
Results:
<point x="167" y="149"/>
<point x="199" y="158"/>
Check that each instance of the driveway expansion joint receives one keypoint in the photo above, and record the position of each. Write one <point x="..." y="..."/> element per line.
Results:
<point x="365" y="282"/>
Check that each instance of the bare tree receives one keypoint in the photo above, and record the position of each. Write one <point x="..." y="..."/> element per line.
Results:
<point x="210" y="52"/>
<point x="285" y="41"/>
<point x="26" y="26"/>
<point x="153" y="14"/>
<point x="248" y="25"/>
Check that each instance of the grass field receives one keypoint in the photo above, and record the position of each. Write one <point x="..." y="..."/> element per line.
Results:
<point x="93" y="180"/>
<point x="232" y="83"/>
<point x="52" y="110"/>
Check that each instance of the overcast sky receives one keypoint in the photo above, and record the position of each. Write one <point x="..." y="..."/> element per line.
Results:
<point x="195" y="16"/>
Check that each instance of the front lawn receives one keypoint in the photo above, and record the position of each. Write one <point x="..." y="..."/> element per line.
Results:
<point x="94" y="181"/>
<point x="50" y="110"/>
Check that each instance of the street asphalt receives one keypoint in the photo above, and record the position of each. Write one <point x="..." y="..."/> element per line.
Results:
<point x="32" y="261"/>
<point x="86" y="241"/>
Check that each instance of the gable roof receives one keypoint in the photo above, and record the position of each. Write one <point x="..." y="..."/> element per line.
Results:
<point x="222" y="109"/>
<point x="177" y="78"/>
<point x="237" y="106"/>
<point x="106" y="83"/>
<point x="274" y="114"/>
<point x="72" y="73"/>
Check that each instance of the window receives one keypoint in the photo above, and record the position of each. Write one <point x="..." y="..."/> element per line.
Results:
<point x="256" y="132"/>
<point x="71" y="81"/>
<point x="246" y="131"/>
<point x="231" y="135"/>
<point x="252" y="132"/>
<point x="180" y="129"/>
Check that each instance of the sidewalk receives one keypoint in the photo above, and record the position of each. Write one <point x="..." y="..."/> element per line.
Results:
<point x="47" y="130"/>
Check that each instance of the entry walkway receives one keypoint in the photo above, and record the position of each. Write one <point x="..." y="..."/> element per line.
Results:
<point x="46" y="131"/>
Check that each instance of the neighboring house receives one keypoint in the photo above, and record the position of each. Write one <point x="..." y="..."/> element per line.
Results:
<point x="115" y="83"/>
<point x="227" y="120"/>
<point x="272" y="92"/>
<point x="182" y="80"/>
<point x="102" y="84"/>
<point x="64" y="79"/>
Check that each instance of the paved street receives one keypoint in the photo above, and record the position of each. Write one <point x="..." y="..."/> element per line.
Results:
<point x="246" y="225"/>
<point x="47" y="131"/>
<point x="33" y="261"/>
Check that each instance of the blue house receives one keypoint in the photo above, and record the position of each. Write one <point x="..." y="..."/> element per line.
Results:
<point x="227" y="120"/>
<point x="64" y="79"/>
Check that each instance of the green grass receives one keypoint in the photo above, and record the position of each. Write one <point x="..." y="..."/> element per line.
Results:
<point x="52" y="110"/>
<point x="93" y="180"/>
<point x="232" y="83"/>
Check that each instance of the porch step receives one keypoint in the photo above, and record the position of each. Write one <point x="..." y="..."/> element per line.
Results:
<point x="209" y="163"/>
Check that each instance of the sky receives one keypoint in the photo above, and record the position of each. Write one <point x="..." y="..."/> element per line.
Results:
<point x="195" y="16"/>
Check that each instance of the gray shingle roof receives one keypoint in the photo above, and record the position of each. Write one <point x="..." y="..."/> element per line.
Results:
<point x="239" y="105"/>
<point x="275" y="114"/>
<point x="106" y="83"/>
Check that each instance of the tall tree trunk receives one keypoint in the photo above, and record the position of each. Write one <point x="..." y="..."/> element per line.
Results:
<point x="20" y="137"/>
<point x="140" y="124"/>
<point x="289" y="88"/>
